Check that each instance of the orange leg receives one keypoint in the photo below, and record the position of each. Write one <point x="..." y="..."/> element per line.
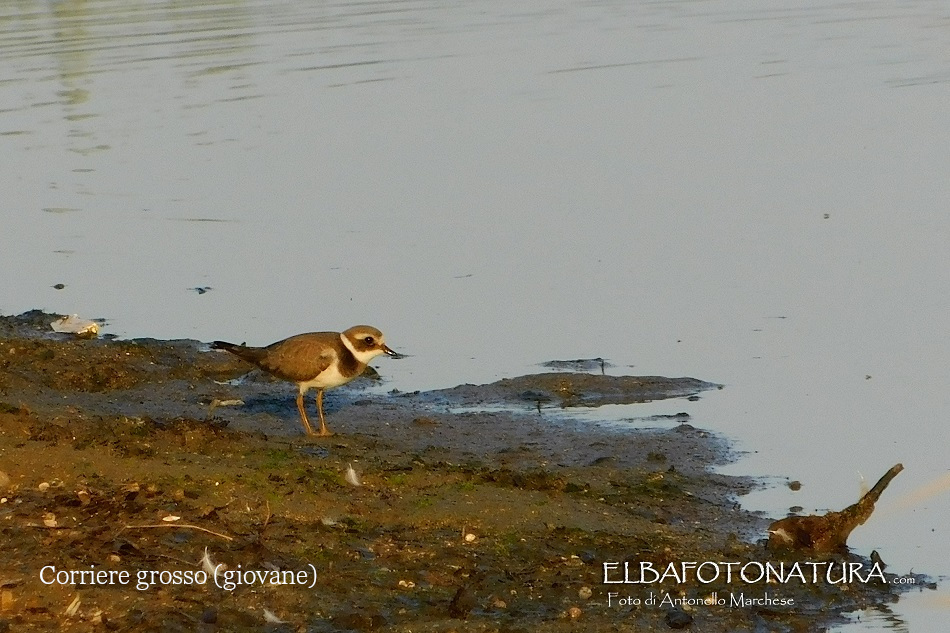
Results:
<point x="324" y="431"/>
<point x="303" y="415"/>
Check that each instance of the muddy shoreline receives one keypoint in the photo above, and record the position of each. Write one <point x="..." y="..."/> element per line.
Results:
<point x="139" y="456"/>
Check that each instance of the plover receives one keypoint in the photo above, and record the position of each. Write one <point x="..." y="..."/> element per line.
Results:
<point x="318" y="360"/>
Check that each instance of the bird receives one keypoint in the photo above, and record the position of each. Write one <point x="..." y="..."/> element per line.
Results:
<point x="316" y="360"/>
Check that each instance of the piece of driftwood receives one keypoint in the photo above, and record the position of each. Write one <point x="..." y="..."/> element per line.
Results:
<point x="828" y="533"/>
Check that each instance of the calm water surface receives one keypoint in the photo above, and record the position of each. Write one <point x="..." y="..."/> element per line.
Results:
<point x="754" y="193"/>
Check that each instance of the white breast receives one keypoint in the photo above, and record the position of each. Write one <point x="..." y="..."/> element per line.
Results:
<point x="329" y="377"/>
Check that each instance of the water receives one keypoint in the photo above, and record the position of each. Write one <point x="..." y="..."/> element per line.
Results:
<point x="751" y="193"/>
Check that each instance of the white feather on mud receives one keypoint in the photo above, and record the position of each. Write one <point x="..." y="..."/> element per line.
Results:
<point x="73" y="607"/>
<point x="230" y="402"/>
<point x="351" y="477"/>
<point x="270" y="618"/>
<point x="209" y="567"/>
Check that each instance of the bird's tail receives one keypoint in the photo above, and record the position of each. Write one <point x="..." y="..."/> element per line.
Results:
<point x="250" y="354"/>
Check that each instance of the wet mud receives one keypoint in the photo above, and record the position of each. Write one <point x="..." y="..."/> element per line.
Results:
<point x="146" y="457"/>
<point x="573" y="389"/>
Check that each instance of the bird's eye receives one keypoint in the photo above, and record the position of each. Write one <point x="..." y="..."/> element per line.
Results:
<point x="368" y="340"/>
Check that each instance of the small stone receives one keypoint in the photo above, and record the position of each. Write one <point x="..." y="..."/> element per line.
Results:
<point x="795" y="485"/>
<point x="678" y="619"/>
<point x="877" y="560"/>
<point x="574" y="612"/>
<point x="470" y="538"/>
<point x="6" y="603"/>
<point x="356" y="621"/>
<point x="463" y="602"/>
<point x="584" y="593"/>
<point x="43" y="487"/>
<point x="587" y="557"/>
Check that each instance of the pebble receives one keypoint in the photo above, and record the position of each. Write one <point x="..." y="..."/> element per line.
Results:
<point x="209" y="616"/>
<point x="678" y="619"/>
<point x="463" y="602"/>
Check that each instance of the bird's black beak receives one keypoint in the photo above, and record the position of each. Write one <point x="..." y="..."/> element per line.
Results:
<point x="392" y="353"/>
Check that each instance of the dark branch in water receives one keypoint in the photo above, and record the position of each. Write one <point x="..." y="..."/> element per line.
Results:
<point x="827" y="533"/>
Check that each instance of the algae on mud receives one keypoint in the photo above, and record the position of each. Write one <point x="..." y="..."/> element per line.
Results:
<point x="467" y="522"/>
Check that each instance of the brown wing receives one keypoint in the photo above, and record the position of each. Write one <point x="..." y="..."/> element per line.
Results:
<point x="301" y="357"/>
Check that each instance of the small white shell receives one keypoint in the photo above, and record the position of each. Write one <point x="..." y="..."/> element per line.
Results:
<point x="74" y="325"/>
